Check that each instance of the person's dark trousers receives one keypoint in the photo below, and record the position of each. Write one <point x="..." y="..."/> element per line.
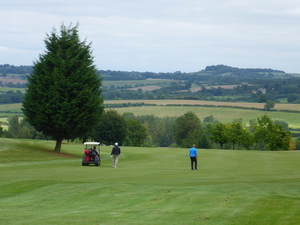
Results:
<point x="193" y="159"/>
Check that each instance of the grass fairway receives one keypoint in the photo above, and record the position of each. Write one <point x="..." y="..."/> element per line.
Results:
<point x="150" y="186"/>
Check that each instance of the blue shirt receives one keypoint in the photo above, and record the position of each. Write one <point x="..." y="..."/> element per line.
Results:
<point x="193" y="152"/>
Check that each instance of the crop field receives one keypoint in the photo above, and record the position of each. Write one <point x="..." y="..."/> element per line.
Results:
<point x="11" y="107"/>
<point x="195" y="89"/>
<point x="13" y="80"/>
<point x="220" y="113"/>
<point x="6" y="89"/>
<point x="146" y="88"/>
<point x="197" y="102"/>
<point x="229" y="187"/>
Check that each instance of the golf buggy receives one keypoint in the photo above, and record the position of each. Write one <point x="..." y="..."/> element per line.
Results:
<point x="91" y="154"/>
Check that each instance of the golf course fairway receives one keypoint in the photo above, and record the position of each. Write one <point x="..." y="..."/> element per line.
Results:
<point x="150" y="186"/>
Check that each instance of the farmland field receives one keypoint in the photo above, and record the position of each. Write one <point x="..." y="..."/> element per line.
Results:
<point x="195" y="89"/>
<point x="146" y="88"/>
<point x="230" y="187"/>
<point x="13" y="80"/>
<point x="11" y="107"/>
<point x="6" y="89"/>
<point x="197" y="102"/>
<point x="220" y="113"/>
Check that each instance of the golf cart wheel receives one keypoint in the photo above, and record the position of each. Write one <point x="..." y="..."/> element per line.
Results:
<point x="97" y="164"/>
<point x="83" y="164"/>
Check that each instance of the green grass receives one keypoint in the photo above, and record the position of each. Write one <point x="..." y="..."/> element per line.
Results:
<point x="283" y="100"/>
<point x="150" y="186"/>
<point x="222" y="114"/>
<point x="6" y="89"/>
<point x="16" y="107"/>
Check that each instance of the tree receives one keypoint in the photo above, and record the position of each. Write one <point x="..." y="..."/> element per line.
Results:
<point x="136" y="133"/>
<point x="209" y="120"/>
<point x="262" y="130"/>
<point x="297" y="144"/>
<point x="13" y="125"/>
<point x="269" y="105"/>
<point x="248" y="139"/>
<point x="279" y="138"/>
<point x="187" y="130"/>
<point x="235" y="133"/>
<point x="1" y="129"/>
<point x="262" y="98"/>
<point x="63" y="96"/>
<point x="203" y="142"/>
<point x="284" y="124"/>
<point x="218" y="133"/>
<point x="272" y="134"/>
<point x="111" y="128"/>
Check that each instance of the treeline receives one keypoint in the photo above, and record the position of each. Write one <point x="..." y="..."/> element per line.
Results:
<point x="250" y="73"/>
<point x="11" y="69"/>
<point x="148" y="130"/>
<point x="253" y="85"/>
<point x="210" y="73"/>
<point x="11" y="97"/>
<point x="11" y="84"/>
<point x="110" y="75"/>
<point x="261" y="91"/>
<point x="20" y="128"/>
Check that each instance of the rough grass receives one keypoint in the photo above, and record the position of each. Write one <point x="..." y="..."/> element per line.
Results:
<point x="150" y="186"/>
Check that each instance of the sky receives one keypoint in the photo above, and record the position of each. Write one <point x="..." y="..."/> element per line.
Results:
<point x="159" y="35"/>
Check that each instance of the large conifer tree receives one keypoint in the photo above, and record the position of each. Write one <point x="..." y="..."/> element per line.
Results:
<point x="63" y="99"/>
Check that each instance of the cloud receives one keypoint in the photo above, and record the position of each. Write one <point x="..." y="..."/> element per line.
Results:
<point x="161" y="35"/>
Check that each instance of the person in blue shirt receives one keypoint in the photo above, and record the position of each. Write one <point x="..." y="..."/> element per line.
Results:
<point x="193" y="156"/>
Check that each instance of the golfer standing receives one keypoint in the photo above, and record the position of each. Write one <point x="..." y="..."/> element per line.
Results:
<point x="116" y="151"/>
<point x="193" y="155"/>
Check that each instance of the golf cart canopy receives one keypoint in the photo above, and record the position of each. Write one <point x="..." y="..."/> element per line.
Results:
<point x="91" y="143"/>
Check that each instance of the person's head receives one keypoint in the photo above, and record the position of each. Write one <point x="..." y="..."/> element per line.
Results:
<point x="194" y="145"/>
<point x="116" y="144"/>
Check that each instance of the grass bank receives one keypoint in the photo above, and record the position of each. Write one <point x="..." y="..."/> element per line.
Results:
<point x="150" y="186"/>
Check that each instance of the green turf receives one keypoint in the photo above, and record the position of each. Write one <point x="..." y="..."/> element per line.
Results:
<point x="150" y="186"/>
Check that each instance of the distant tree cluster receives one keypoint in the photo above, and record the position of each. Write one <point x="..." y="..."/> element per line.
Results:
<point x="250" y="83"/>
<point x="11" y="69"/>
<point x="188" y="129"/>
<point x="261" y="132"/>
<point x="149" y="130"/>
<point x="113" y="127"/>
<point x="21" y="129"/>
<point x="11" y="97"/>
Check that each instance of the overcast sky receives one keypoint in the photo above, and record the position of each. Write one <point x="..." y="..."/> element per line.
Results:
<point x="160" y="35"/>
